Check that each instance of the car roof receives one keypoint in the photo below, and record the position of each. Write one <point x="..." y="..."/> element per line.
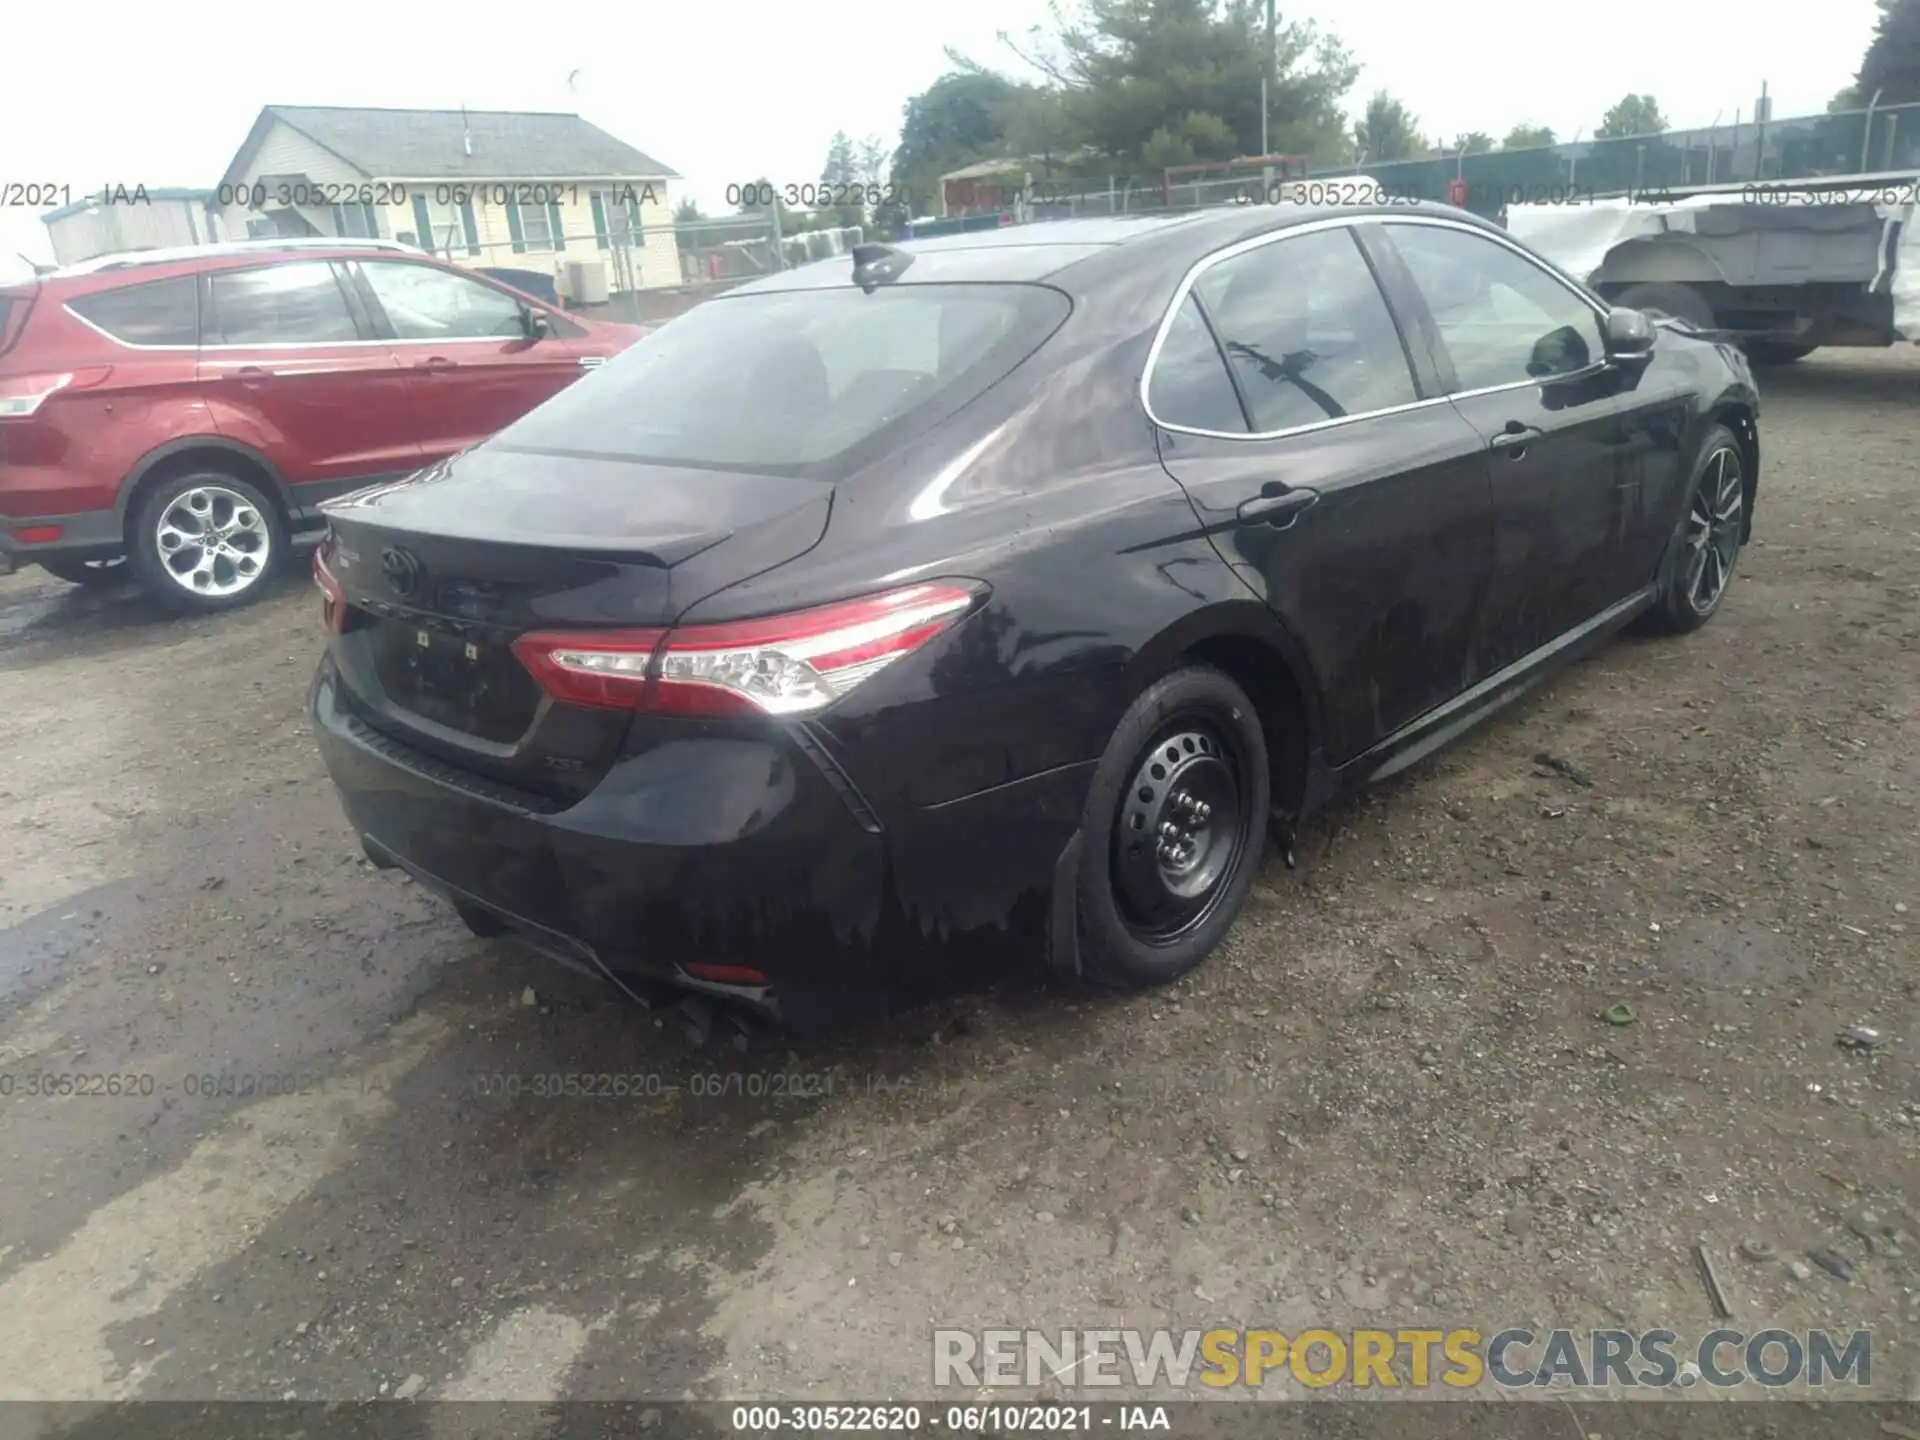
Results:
<point x="173" y="261"/>
<point x="1064" y="252"/>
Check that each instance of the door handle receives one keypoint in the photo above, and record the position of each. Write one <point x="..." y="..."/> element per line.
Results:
<point x="592" y="362"/>
<point x="434" y="364"/>
<point x="1514" y="439"/>
<point x="1279" y="511"/>
<point x="252" y="374"/>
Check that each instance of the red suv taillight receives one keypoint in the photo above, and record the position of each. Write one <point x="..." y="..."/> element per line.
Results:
<point x="21" y="395"/>
<point x="333" y="596"/>
<point x="792" y="664"/>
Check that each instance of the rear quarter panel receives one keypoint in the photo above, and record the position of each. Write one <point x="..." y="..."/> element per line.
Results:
<point x="1048" y="488"/>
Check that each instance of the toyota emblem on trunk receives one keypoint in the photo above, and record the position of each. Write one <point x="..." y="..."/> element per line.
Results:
<point x="402" y="571"/>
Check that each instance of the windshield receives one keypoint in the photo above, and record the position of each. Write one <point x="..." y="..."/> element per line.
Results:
<point x="786" y="381"/>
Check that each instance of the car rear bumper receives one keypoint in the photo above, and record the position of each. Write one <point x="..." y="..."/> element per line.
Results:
<point x="89" y="535"/>
<point x="720" y="851"/>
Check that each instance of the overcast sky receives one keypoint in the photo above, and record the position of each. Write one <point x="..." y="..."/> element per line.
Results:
<point x="725" y="92"/>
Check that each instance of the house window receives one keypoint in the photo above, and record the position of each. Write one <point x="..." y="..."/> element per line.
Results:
<point x="616" y="218"/>
<point x="536" y="227"/>
<point x="439" y="226"/>
<point x="357" y="221"/>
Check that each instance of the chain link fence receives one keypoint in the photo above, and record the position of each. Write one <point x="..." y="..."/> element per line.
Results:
<point x="1854" y="142"/>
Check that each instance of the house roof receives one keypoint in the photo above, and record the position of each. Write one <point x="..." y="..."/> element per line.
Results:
<point x="433" y="144"/>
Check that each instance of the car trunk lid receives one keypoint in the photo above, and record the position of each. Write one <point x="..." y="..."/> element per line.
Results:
<point x="443" y="570"/>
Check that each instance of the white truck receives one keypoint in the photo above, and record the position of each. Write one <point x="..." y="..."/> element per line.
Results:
<point x="1783" y="267"/>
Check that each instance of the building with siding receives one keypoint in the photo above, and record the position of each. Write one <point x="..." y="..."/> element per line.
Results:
<point x="488" y="188"/>
<point x="121" y="218"/>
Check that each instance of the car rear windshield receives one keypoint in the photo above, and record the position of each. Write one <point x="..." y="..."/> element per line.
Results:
<point x="160" y="312"/>
<point x="790" y="381"/>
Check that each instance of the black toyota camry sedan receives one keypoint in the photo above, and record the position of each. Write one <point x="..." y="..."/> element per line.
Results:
<point x="1006" y="594"/>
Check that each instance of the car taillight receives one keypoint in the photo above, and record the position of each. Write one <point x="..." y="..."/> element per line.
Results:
<point x="333" y="596"/>
<point x="792" y="664"/>
<point x="21" y="395"/>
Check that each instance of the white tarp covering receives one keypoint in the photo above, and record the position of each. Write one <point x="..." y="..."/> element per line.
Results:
<point x="1578" y="237"/>
<point x="1906" y="273"/>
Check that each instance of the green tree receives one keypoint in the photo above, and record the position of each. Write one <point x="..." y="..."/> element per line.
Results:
<point x="1387" y="131"/>
<point x="1634" y="115"/>
<point x="1474" y="142"/>
<point x="1155" y="82"/>
<point x="687" y="212"/>
<point x="840" y="181"/>
<point x="957" y="119"/>
<point x="1528" y="137"/>
<point x="1892" y="62"/>
<point x="1037" y="123"/>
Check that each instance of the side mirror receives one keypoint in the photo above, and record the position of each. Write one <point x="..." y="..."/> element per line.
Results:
<point x="1628" y="333"/>
<point x="537" y="325"/>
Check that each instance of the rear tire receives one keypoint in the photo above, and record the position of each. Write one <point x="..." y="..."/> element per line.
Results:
<point x="206" y="541"/>
<point x="1706" y="544"/>
<point x="1768" y="352"/>
<point x="96" y="573"/>
<point x="1174" y="829"/>
<point x="1682" y="302"/>
<point x="483" y="923"/>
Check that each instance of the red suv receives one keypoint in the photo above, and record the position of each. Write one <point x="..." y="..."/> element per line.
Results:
<point x="186" y="412"/>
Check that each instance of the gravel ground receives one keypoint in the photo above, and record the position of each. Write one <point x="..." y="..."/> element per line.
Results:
<point x="1391" y="1099"/>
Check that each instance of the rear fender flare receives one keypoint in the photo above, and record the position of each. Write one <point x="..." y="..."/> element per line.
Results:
<point x="1653" y="262"/>
<point x="130" y="486"/>
<point x="1241" y="619"/>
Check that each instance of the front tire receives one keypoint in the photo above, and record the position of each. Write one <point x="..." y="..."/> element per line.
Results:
<point x="1706" y="544"/>
<point x="1174" y="828"/>
<point x="206" y="541"/>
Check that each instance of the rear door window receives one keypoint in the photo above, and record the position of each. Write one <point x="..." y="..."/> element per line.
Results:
<point x="1190" y="387"/>
<point x="1307" y="331"/>
<point x="785" y="381"/>
<point x="296" y="304"/>
<point x="160" y="312"/>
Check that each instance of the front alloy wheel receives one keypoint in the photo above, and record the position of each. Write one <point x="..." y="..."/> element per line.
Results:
<point x="1713" y="531"/>
<point x="1706" y="543"/>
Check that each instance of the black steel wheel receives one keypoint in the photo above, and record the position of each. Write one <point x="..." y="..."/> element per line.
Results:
<point x="1178" y="831"/>
<point x="1175" y="824"/>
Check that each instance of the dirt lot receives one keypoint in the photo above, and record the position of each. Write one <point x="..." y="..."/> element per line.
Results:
<point x="1390" y="1099"/>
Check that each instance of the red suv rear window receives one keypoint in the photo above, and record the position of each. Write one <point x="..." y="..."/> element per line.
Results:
<point x="160" y="312"/>
<point x="12" y="308"/>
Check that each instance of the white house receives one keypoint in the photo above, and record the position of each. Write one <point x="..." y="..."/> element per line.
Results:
<point x="486" y="188"/>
